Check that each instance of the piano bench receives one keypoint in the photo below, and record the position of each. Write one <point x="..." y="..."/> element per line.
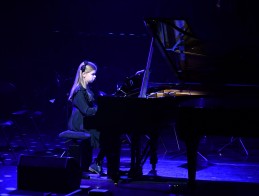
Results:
<point x="80" y="135"/>
<point x="72" y="142"/>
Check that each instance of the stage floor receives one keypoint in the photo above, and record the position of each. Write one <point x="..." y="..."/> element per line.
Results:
<point x="232" y="172"/>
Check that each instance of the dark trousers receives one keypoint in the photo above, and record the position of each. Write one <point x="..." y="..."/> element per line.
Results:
<point x="102" y="153"/>
<point x="86" y="154"/>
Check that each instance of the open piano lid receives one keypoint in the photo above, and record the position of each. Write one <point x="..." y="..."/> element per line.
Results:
<point x="212" y="62"/>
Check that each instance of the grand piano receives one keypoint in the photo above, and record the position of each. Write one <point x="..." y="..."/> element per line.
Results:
<point x="221" y="77"/>
<point x="215" y="89"/>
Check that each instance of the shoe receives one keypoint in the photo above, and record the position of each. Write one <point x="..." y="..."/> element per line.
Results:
<point x="96" y="168"/>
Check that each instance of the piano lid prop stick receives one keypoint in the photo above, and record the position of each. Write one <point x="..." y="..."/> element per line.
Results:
<point x="143" y="90"/>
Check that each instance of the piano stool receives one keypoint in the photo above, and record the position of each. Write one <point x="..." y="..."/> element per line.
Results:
<point x="72" y="142"/>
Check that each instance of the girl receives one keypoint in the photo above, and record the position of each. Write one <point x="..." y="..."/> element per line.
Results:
<point x="83" y="106"/>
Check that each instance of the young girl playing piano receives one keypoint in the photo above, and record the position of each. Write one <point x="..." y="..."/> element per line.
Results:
<point x="83" y="106"/>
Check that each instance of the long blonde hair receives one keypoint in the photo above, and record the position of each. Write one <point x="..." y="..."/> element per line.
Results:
<point x="85" y="66"/>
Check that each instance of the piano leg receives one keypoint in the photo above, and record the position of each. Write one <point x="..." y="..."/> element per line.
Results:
<point x="151" y="151"/>
<point x="192" y="144"/>
<point x="135" y="163"/>
<point x="112" y="148"/>
<point x="187" y="130"/>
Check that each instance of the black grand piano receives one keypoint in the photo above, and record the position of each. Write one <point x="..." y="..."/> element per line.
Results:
<point x="215" y="89"/>
<point x="220" y="74"/>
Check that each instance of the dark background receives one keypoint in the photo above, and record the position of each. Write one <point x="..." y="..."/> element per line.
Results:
<point x="43" y="42"/>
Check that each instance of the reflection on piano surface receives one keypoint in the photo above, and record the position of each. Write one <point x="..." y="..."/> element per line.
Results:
<point x="210" y="93"/>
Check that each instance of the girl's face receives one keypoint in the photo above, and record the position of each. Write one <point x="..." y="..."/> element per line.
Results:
<point x="89" y="77"/>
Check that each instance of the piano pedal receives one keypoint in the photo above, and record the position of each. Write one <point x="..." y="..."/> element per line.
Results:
<point x="114" y="176"/>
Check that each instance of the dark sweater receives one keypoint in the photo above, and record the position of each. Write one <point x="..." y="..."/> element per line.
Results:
<point x="83" y="105"/>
